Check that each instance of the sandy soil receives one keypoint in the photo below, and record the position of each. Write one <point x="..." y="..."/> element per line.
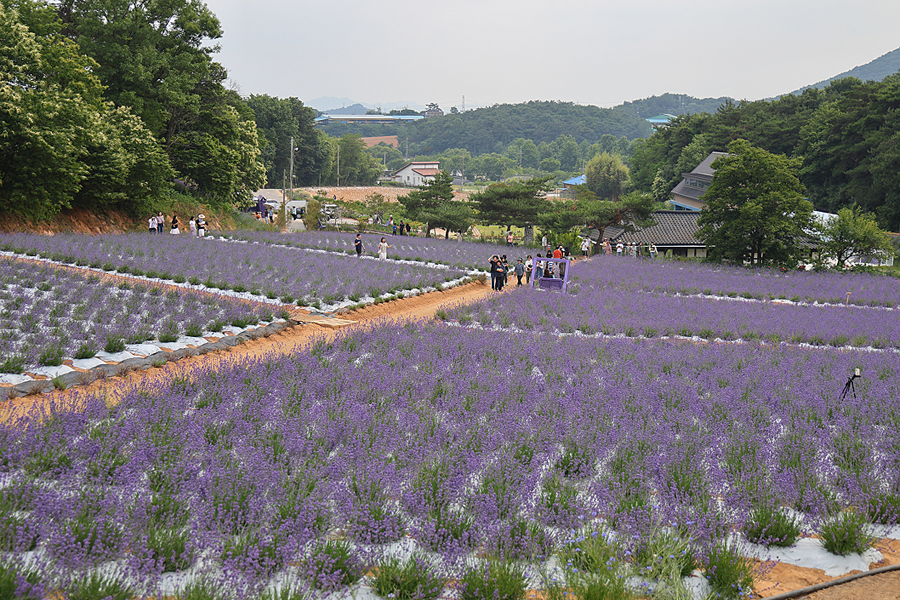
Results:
<point x="360" y="193"/>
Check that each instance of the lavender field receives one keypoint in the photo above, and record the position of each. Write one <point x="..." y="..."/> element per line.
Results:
<point x="425" y="460"/>
<point x="611" y="311"/>
<point x="459" y="255"/>
<point x="49" y="314"/>
<point x="686" y="277"/>
<point x="289" y="274"/>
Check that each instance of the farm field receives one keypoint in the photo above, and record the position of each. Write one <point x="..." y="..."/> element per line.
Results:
<point x="49" y="314"/>
<point x="479" y="461"/>
<point x="460" y="255"/>
<point x="271" y="271"/>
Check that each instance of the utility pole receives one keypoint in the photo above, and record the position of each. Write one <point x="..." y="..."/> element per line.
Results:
<point x="292" y="167"/>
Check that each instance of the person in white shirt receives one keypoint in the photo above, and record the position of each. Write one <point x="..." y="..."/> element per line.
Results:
<point x="585" y="245"/>
<point x="619" y="247"/>
<point x="152" y="223"/>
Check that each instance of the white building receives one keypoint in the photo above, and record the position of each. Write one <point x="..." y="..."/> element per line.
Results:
<point x="415" y="174"/>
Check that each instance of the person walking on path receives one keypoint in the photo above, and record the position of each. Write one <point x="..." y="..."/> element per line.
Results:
<point x="529" y="265"/>
<point x="358" y="245"/>
<point x="383" y="248"/>
<point x="585" y="245"/>
<point x="607" y="247"/>
<point x="160" y="222"/>
<point x="544" y="244"/>
<point x="501" y="275"/>
<point x="493" y="262"/>
<point x="520" y="270"/>
<point x="509" y="238"/>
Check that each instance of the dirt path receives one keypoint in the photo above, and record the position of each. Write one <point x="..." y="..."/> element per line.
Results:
<point x="290" y="340"/>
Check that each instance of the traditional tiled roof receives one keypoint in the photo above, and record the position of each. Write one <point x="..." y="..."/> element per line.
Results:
<point x="673" y="229"/>
<point x="676" y="229"/>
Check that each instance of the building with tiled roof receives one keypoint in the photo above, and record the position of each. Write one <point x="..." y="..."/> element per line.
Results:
<point x="688" y="194"/>
<point x="675" y="230"/>
<point x="417" y="173"/>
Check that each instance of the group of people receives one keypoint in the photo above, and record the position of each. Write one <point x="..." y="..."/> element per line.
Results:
<point x="500" y="267"/>
<point x="359" y="246"/>
<point x="638" y="250"/>
<point x="399" y="228"/>
<point x="196" y="225"/>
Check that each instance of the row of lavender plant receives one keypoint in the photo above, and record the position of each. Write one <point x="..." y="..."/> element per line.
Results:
<point x="462" y="255"/>
<point x="48" y="314"/>
<point x="502" y="442"/>
<point x="614" y="311"/>
<point x="285" y="273"/>
<point x="760" y="283"/>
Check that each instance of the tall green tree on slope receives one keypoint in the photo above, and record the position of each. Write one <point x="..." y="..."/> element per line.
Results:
<point x="756" y="211"/>
<point x="61" y="145"/>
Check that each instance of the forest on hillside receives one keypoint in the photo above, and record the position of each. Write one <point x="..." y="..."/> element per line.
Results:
<point x="847" y="135"/>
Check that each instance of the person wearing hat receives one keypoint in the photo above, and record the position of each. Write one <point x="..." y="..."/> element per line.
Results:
<point x="201" y="225"/>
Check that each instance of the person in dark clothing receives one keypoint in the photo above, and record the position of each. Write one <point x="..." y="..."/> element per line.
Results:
<point x="358" y="245"/>
<point x="493" y="262"/>
<point x="407" y="229"/>
<point x="501" y="275"/>
<point x="520" y="270"/>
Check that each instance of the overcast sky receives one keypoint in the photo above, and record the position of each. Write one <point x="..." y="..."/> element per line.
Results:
<point x="600" y="52"/>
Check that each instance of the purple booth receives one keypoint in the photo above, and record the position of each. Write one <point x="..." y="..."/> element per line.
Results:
<point x="551" y="283"/>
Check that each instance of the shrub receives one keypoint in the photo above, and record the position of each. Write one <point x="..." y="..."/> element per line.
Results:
<point x="86" y="350"/>
<point x="770" y="526"/>
<point x="412" y="579"/>
<point x="18" y="584"/>
<point x="665" y="556"/>
<point x="729" y="574"/>
<point x="169" y="548"/>
<point x="96" y="587"/>
<point x="114" y="344"/>
<point x="494" y="580"/>
<point x="845" y="533"/>
<point x="51" y="357"/>
<point x="332" y="565"/>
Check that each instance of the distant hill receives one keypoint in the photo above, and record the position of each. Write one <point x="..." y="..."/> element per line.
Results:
<point x="671" y="104"/>
<point x="878" y="69"/>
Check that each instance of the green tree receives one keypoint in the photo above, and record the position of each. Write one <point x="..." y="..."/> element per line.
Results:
<point x="152" y="56"/>
<point x="449" y="216"/>
<point x="425" y="203"/>
<point x="634" y="209"/>
<point x="356" y="166"/>
<point x="755" y="207"/>
<point x="854" y="234"/>
<point x="278" y="120"/>
<point x="60" y="144"/>
<point x="219" y="152"/>
<point x="516" y="203"/>
<point x="606" y="176"/>
<point x="568" y="153"/>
